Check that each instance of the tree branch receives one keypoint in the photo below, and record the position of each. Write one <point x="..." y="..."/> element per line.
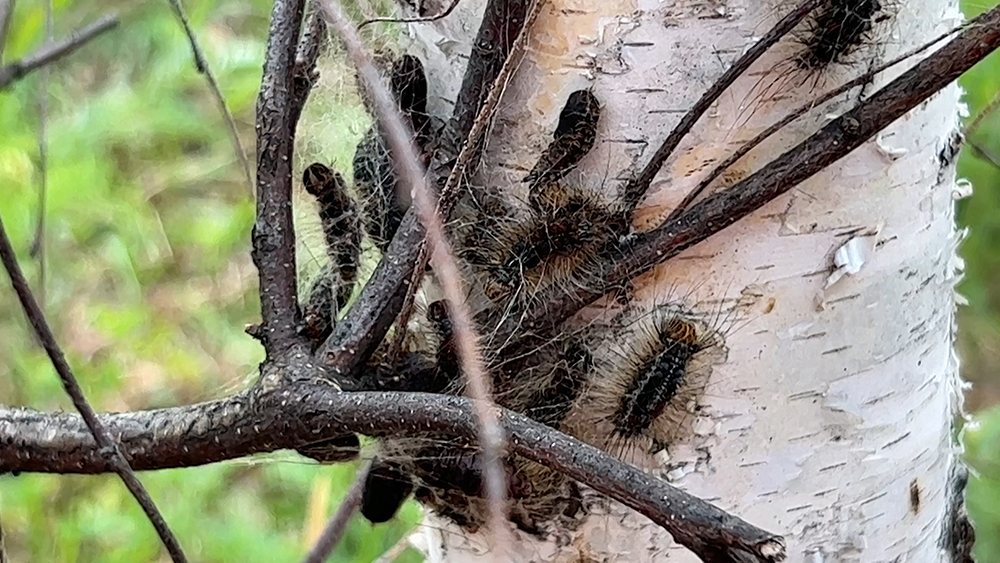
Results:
<point x="337" y="524"/>
<point x="273" y="233"/>
<point x="830" y="144"/>
<point x="306" y="57"/>
<point x="310" y="410"/>
<point x="354" y="339"/>
<point x="792" y="116"/>
<point x="52" y="52"/>
<point x="422" y="19"/>
<point x="202" y="65"/>
<point x="636" y="188"/>
<point x="109" y="449"/>
<point x="408" y="169"/>
<point x="6" y="15"/>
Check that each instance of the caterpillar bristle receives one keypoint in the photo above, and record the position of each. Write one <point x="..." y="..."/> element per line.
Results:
<point x="554" y="245"/>
<point x="335" y="450"/>
<point x="319" y="311"/>
<point x="657" y="380"/>
<point x="837" y="29"/>
<point x="647" y="375"/>
<point x="450" y="484"/>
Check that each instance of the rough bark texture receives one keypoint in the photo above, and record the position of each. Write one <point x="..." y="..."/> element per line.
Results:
<point x="834" y="403"/>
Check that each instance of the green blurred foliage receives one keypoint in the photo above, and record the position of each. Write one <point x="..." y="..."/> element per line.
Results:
<point x="979" y="322"/>
<point x="149" y="280"/>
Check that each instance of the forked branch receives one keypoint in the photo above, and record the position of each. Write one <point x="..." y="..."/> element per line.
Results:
<point x="355" y="338"/>
<point x="246" y="424"/>
<point x="302" y="411"/>
<point x="273" y="232"/>
<point x="636" y="188"/>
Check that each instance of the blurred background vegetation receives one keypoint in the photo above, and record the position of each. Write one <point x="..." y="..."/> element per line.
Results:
<point x="149" y="281"/>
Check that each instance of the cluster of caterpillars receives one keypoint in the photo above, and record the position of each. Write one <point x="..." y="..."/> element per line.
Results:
<point x="551" y="240"/>
<point x="619" y="384"/>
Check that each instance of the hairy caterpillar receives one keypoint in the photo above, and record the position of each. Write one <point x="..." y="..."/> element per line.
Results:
<point x="331" y="289"/>
<point x="649" y="371"/>
<point x="553" y="244"/>
<point x="513" y="250"/>
<point x="338" y="216"/>
<point x="830" y="38"/>
<point x="573" y="138"/>
<point x="836" y="29"/>
<point x="374" y="176"/>
<point x="565" y="227"/>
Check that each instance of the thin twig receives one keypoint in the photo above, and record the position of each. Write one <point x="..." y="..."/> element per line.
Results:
<point x="392" y="553"/>
<point x="980" y="37"/>
<point x="306" y="58"/>
<point x="309" y="410"/>
<point x="273" y="232"/>
<point x="52" y="52"/>
<point x="355" y="338"/>
<point x="3" y="547"/>
<point x="202" y="65"/>
<point x="337" y="524"/>
<point x="470" y="149"/>
<point x="408" y="169"/>
<point x="636" y="188"/>
<point x="987" y="111"/>
<point x="109" y="447"/>
<point x="435" y="17"/>
<point x="473" y="143"/>
<point x="6" y="15"/>
<point x="792" y="116"/>
<point x="37" y="250"/>
<point x="985" y="154"/>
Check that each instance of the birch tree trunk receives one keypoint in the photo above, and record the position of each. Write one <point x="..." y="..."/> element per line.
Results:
<point x="831" y="419"/>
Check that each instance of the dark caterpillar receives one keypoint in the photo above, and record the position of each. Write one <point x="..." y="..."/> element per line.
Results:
<point x="332" y="288"/>
<point x="574" y="137"/>
<point x="338" y="216"/>
<point x="374" y="175"/>
<point x="513" y="250"/>
<point x="645" y="384"/>
<point x="564" y="234"/>
<point x="836" y="29"/>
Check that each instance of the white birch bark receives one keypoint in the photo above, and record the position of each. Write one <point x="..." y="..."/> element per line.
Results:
<point x="835" y="401"/>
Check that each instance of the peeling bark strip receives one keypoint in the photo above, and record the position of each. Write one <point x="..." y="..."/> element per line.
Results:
<point x="257" y="423"/>
<point x="273" y="233"/>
